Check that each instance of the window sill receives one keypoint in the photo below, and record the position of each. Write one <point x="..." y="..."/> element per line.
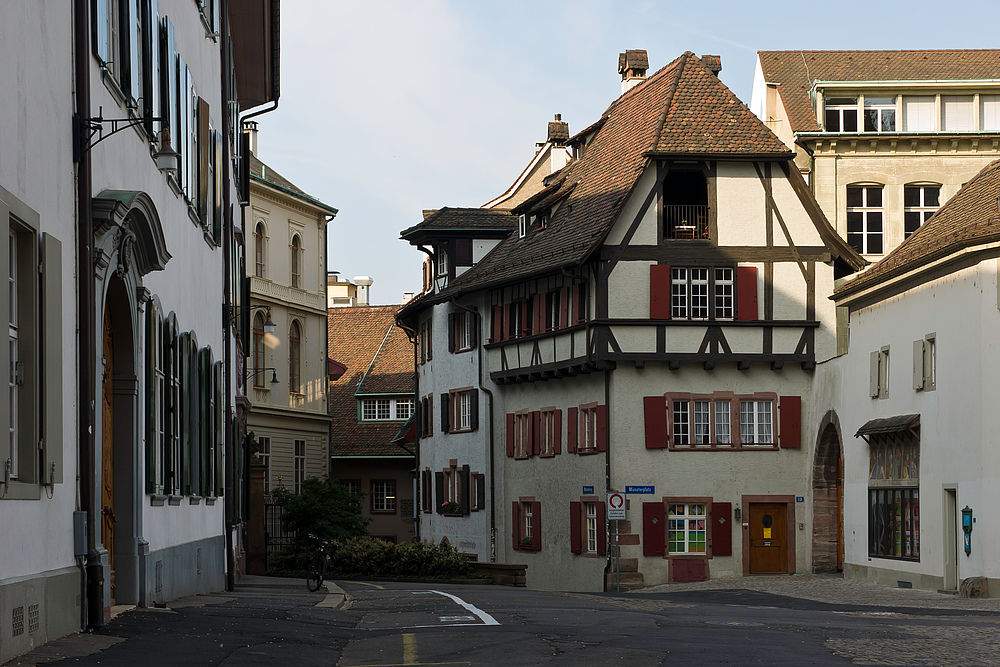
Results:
<point x="194" y="500"/>
<point x="725" y="447"/>
<point x="909" y="559"/>
<point x="156" y="500"/>
<point x="175" y="501"/>
<point x="588" y="451"/>
<point x="703" y="556"/>
<point x="109" y="82"/>
<point x="16" y="490"/>
<point x="388" y="512"/>
<point x="546" y="455"/>
<point x="458" y="514"/>
<point x="210" y="501"/>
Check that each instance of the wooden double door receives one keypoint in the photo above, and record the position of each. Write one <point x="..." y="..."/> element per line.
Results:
<point x="768" y="538"/>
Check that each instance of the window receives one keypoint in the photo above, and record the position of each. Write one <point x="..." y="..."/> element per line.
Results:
<point x="925" y="363"/>
<point x="455" y="492"/>
<point x="296" y="260"/>
<point x="264" y="456"/>
<point x="864" y="218"/>
<point x="522" y="434"/>
<point x="517" y="322"/>
<point x="384" y="496"/>
<point x="526" y="523"/>
<point x="701" y="293"/>
<point x="426" y="416"/>
<point x="353" y="486"/>
<point x="687" y="530"/>
<point x="294" y="359"/>
<point x="426" y="501"/>
<point x="550" y="432"/>
<point x="842" y="114"/>
<point x="522" y="226"/>
<point x="300" y="465"/>
<point x="756" y="422"/>
<point x="588" y="527"/>
<point x="588" y="428"/>
<point x="386" y="409"/>
<point x="591" y="510"/>
<point x="461" y="331"/>
<point x="878" y="374"/>
<point x="880" y="114"/>
<point x="15" y="286"/>
<point x="460" y="410"/>
<point x="556" y="313"/>
<point x="155" y="403"/>
<point x="894" y="495"/>
<point x="259" y="362"/>
<point x="989" y="112"/>
<point x="685" y="209"/>
<point x="956" y="113"/>
<point x="171" y="350"/>
<point x="442" y="261"/>
<point x="918" y="113"/>
<point x="258" y="248"/>
<point x="920" y="202"/>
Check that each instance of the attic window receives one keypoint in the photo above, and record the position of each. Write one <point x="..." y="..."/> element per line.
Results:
<point x="543" y="221"/>
<point x="442" y="261"/>
<point x="685" y="205"/>
<point x="522" y="225"/>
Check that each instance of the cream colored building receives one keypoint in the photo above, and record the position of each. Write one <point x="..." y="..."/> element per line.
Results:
<point x="883" y="137"/>
<point x="286" y="266"/>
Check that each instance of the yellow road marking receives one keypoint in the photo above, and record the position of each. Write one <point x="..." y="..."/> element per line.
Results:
<point x="365" y="583"/>
<point x="409" y="648"/>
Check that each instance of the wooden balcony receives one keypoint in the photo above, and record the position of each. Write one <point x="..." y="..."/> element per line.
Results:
<point x="685" y="221"/>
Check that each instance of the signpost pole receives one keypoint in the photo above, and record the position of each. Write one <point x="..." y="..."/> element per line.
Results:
<point x="618" y="561"/>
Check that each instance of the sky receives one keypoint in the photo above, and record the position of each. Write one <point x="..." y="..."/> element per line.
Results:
<point x="391" y="107"/>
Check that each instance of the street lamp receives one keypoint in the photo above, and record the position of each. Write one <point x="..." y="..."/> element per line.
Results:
<point x="274" y="375"/>
<point x="166" y="158"/>
<point x="233" y="312"/>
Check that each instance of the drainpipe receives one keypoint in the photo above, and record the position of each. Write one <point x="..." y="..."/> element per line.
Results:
<point x="92" y="603"/>
<point x="411" y="334"/>
<point x="493" y="513"/>
<point x="607" y="464"/>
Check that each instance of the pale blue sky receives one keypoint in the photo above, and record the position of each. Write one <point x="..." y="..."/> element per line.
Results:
<point x="388" y="108"/>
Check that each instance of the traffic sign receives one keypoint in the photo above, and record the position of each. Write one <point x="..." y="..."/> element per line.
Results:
<point x="616" y="505"/>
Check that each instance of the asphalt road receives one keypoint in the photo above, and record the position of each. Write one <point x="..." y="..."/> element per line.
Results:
<point x="266" y="621"/>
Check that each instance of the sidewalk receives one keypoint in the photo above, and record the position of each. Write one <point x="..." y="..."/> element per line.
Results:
<point x="835" y="589"/>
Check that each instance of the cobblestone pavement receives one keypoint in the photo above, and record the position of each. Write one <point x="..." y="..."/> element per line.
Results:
<point x="897" y="634"/>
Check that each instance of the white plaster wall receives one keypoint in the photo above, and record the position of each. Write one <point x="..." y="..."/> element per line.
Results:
<point x="628" y="289"/>
<point x="36" y="166"/>
<point x="481" y="248"/>
<point x="740" y="197"/>
<point x="645" y="234"/>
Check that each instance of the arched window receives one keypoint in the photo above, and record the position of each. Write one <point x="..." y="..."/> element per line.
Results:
<point x="294" y="358"/>
<point x="920" y="202"/>
<point x="258" y="351"/>
<point x="258" y="248"/>
<point x="296" y="262"/>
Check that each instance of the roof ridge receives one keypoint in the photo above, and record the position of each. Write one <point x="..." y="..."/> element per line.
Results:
<point x="670" y="94"/>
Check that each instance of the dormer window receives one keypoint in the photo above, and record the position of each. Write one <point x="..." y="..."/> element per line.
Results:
<point x="442" y="261"/>
<point x="880" y="114"/>
<point x="685" y="205"/>
<point x="543" y="220"/>
<point x="522" y="225"/>
<point x="842" y="114"/>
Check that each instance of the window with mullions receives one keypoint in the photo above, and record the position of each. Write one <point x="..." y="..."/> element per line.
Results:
<point x="296" y="257"/>
<point x="591" y="509"/>
<point x="920" y="202"/>
<point x="295" y="359"/>
<point x="264" y="456"/>
<point x="258" y="248"/>
<point x="686" y="528"/>
<point x="701" y="293"/>
<point x="384" y="496"/>
<point x="894" y="496"/>
<point x="880" y="114"/>
<point x="300" y="465"/>
<point x="841" y="114"/>
<point x="701" y="422"/>
<point x="386" y="409"/>
<point x="259" y="362"/>
<point x="864" y="218"/>
<point x="757" y="422"/>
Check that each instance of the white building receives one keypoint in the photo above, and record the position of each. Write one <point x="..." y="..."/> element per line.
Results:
<point x="909" y="408"/>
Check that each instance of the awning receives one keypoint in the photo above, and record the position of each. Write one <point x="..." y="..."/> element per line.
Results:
<point x="407" y="432"/>
<point x="888" y="425"/>
<point x="335" y="369"/>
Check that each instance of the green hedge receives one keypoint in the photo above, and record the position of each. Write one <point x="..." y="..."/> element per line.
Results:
<point x="369" y="557"/>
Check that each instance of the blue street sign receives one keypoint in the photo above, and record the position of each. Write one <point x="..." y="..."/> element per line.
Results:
<point x="640" y="489"/>
<point x="588" y="490"/>
<point x="800" y="499"/>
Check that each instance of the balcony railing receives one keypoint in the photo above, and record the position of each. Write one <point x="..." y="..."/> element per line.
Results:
<point x="685" y="221"/>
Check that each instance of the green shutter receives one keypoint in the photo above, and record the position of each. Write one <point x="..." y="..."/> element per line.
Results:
<point x="207" y="427"/>
<point x="152" y="328"/>
<point x="220" y="422"/>
<point x="184" y="358"/>
<point x="52" y="351"/>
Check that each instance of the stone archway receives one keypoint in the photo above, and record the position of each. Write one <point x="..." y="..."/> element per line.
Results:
<point x="828" y="499"/>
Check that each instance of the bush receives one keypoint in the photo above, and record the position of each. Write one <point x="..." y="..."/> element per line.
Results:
<point x="325" y="507"/>
<point x="369" y="557"/>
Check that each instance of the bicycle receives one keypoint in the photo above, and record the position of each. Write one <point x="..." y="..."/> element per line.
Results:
<point x="317" y="569"/>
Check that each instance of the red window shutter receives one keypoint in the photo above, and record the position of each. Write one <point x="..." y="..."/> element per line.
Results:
<point x="722" y="529"/>
<point x="571" y="424"/>
<point x="564" y="307"/>
<point x="746" y="293"/>
<point x="654" y="523"/>
<point x="557" y="432"/>
<point x="602" y="531"/>
<point x="505" y="329"/>
<point x="538" y="325"/>
<point x="575" y="536"/>
<point x="790" y="424"/>
<point x="497" y="324"/>
<point x="515" y="524"/>
<point x="655" y="408"/>
<point x="510" y="434"/>
<point x="602" y="428"/>
<point x="536" y="526"/>
<point x="578" y="314"/>
<point x="659" y="292"/>
<point x="525" y="330"/>
<point x="533" y="428"/>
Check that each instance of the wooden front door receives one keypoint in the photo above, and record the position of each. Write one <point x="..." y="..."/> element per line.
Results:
<point x="107" y="452"/>
<point x="768" y="538"/>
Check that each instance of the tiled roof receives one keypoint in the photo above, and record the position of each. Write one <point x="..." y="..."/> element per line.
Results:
<point x="264" y="173"/>
<point x="682" y="109"/>
<point x="379" y="360"/>
<point x="969" y="218"/>
<point x="455" y="219"/>
<point x="796" y="71"/>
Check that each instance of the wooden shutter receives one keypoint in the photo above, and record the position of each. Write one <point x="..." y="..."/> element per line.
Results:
<point x="184" y="358"/>
<point x="474" y="324"/>
<point x="873" y="379"/>
<point x="152" y="335"/>
<point x="505" y="322"/>
<point x="575" y="531"/>
<point x="525" y="328"/>
<point x="655" y="409"/>
<point x="52" y="355"/>
<point x="533" y="439"/>
<point x="536" y="525"/>
<point x="659" y="292"/>
<point x="918" y="365"/>
<point x="557" y="432"/>
<point x="151" y="63"/>
<point x="720" y="519"/>
<point x="602" y="530"/>
<point x="220" y="411"/>
<point x="463" y="252"/>
<point x="602" y="428"/>
<point x="481" y="491"/>
<point x="746" y="293"/>
<point x="790" y="422"/>
<point x="474" y="410"/>
<point x="653" y="526"/>
<point x="497" y="324"/>
<point x="131" y="72"/>
<point x="515" y="524"/>
<point x="510" y="434"/>
<point x="219" y="168"/>
<point x="563" y="308"/>
<point x="445" y="416"/>
<point x="538" y="325"/>
<point x="571" y="426"/>
<point x="451" y="331"/>
<point x="430" y="415"/>
<point x="466" y="490"/>
<point x="439" y="500"/>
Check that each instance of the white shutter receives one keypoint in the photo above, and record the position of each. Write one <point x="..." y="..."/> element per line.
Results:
<point x="989" y="112"/>
<point x="918" y="365"/>
<point x="873" y="375"/>
<point x="956" y="112"/>
<point x="918" y="113"/>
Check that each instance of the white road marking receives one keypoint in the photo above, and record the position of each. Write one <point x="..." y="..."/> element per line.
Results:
<point x="482" y="615"/>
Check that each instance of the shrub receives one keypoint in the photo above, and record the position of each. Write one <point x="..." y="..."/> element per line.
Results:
<point x="369" y="557"/>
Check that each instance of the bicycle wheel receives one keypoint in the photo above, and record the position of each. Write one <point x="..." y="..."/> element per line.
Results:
<point x="315" y="577"/>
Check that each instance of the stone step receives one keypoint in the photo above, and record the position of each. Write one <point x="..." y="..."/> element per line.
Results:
<point x="630" y="581"/>
<point x="626" y="564"/>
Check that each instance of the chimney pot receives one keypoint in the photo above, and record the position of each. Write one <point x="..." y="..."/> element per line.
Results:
<point x="632" y="65"/>
<point x="712" y="63"/>
<point x="558" y="131"/>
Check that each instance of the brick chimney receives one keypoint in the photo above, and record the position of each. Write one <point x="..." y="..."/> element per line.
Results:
<point x="713" y="64"/>
<point x="632" y="65"/>
<point x="558" y="131"/>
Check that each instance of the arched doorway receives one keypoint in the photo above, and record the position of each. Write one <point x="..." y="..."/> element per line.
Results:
<point x="828" y="499"/>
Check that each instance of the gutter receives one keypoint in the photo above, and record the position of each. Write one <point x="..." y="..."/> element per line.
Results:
<point x="411" y="334"/>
